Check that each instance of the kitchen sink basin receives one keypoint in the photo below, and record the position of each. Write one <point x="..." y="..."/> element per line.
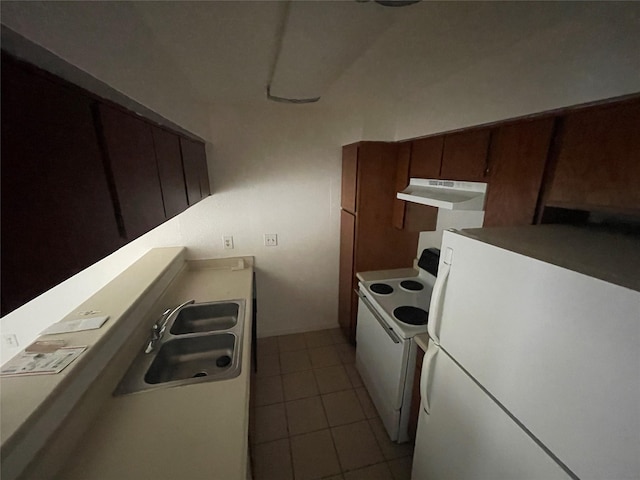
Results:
<point x="193" y="343"/>
<point x="206" y="317"/>
<point x="195" y="357"/>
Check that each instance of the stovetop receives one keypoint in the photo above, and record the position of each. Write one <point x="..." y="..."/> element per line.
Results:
<point x="405" y="298"/>
<point x="404" y="302"/>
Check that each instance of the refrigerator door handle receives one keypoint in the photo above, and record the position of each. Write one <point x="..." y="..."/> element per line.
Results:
<point x="427" y="363"/>
<point x="435" y="309"/>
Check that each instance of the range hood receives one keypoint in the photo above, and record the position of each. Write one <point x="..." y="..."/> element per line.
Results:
<point x="447" y="194"/>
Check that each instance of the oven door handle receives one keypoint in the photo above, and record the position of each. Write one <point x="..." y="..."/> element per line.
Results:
<point x="376" y="315"/>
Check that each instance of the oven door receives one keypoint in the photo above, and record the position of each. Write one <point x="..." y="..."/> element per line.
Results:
<point x="381" y="359"/>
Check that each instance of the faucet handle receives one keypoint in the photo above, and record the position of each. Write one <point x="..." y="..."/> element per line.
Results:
<point x="158" y="328"/>
<point x="162" y="322"/>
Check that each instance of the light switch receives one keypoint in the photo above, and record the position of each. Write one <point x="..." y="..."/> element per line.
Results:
<point x="10" y="340"/>
<point x="271" y="239"/>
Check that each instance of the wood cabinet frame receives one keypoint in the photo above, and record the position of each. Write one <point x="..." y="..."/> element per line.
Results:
<point x="133" y="206"/>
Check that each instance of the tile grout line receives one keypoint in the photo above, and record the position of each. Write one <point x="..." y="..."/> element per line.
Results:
<point x="326" y="416"/>
<point x="286" y="415"/>
<point x="375" y="437"/>
<point x="293" y="471"/>
<point x="333" y="441"/>
<point x="324" y="410"/>
<point x="319" y="395"/>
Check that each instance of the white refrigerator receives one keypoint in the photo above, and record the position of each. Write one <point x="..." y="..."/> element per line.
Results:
<point x="533" y="364"/>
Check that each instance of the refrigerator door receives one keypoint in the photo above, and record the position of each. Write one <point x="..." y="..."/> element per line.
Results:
<point x="557" y="348"/>
<point x="468" y="436"/>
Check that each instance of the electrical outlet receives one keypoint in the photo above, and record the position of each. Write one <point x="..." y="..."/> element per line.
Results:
<point x="271" y="239"/>
<point x="10" y="340"/>
<point x="227" y="242"/>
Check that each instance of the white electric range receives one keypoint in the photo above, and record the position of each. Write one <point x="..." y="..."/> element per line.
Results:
<point x="390" y="313"/>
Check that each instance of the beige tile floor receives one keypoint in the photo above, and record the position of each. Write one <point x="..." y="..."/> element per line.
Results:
<point x="313" y="418"/>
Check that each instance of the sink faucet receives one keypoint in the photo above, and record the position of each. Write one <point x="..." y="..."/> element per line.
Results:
<point x="158" y="328"/>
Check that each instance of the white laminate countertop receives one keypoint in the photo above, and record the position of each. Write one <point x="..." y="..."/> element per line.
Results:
<point x="195" y="431"/>
<point x="34" y="407"/>
<point x="70" y="426"/>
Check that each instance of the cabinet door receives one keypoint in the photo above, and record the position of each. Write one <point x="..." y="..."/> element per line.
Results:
<point x="196" y="173"/>
<point x="403" y="163"/>
<point x="205" y="189"/>
<point x="516" y="166"/>
<point x="598" y="163"/>
<point x="426" y="157"/>
<point x="349" y="177"/>
<point x="379" y="245"/>
<point x="464" y="156"/>
<point x="132" y="160"/>
<point x="169" y="158"/>
<point x="346" y="281"/>
<point x="57" y="213"/>
<point x="417" y="159"/>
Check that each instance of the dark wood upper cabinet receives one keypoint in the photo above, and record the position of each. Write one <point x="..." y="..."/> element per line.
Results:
<point x="57" y="211"/>
<point x="346" y="274"/>
<point x="196" y="175"/>
<point x="368" y="240"/>
<point x="378" y="244"/>
<point x="516" y="167"/>
<point x="403" y="163"/>
<point x="597" y="163"/>
<point x="349" y="177"/>
<point x="81" y="177"/>
<point x="426" y="157"/>
<point x="169" y="158"/>
<point x="465" y="154"/>
<point x="205" y="187"/>
<point x="132" y="161"/>
<point x="416" y="159"/>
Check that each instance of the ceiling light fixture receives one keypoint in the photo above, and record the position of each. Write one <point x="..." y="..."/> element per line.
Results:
<point x="275" y="98"/>
<point x="396" y="3"/>
<point x="279" y="38"/>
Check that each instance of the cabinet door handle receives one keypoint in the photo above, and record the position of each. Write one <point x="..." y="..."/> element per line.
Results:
<point x="488" y="163"/>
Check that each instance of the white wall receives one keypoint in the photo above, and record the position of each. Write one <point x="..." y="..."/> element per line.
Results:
<point x="456" y="64"/>
<point x="591" y="54"/>
<point x="276" y="168"/>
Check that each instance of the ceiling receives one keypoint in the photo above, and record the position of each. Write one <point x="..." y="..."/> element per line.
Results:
<point x="233" y="50"/>
<point x="227" y="52"/>
<point x="223" y="51"/>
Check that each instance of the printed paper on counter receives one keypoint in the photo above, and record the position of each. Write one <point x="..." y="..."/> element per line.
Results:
<point x="75" y="325"/>
<point x="34" y="363"/>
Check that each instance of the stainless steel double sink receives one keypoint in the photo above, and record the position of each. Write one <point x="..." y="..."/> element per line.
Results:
<point x="194" y="343"/>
